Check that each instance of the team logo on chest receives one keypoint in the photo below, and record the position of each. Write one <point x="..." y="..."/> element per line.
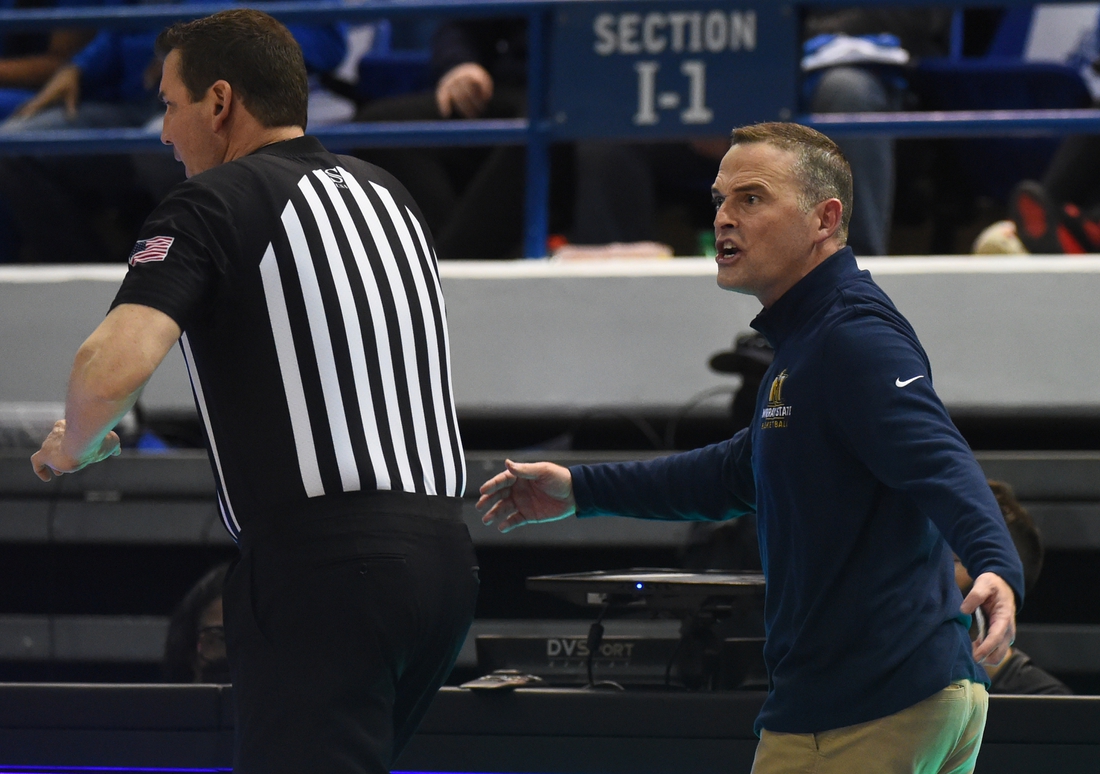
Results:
<point x="776" y="413"/>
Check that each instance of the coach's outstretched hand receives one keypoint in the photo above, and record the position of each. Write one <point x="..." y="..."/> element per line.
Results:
<point x="525" y="493"/>
<point x="995" y="598"/>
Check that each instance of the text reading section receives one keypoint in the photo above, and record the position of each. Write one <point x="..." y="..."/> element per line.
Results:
<point x="670" y="69"/>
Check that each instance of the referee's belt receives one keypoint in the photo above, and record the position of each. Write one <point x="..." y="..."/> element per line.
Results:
<point x="335" y="513"/>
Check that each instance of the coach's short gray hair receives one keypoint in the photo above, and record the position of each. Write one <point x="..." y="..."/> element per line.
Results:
<point x="820" y="166"/>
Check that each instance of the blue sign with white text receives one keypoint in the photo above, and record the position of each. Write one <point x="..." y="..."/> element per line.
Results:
<point x="670" y="69"/>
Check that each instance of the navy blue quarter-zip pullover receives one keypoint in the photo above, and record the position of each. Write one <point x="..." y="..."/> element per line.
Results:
<point x="862" y="486"/>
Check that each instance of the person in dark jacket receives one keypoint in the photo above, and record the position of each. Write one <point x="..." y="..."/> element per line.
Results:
<point x="472" y="197"/>
<point x="1017" y="674"/>
<point x="194" y="649"/>
<point x="861" y="485"/>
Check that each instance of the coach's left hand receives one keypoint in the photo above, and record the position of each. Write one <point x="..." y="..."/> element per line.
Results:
<point x="997" y="601"/>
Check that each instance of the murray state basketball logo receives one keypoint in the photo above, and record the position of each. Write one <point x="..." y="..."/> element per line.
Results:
<point x="776" y="413"/>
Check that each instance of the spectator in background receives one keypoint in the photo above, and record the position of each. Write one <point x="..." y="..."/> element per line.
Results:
<point x="472" y="198"/>
<point x="110" y="83"/>
<point x="29" y="59"/>
<point x="1059" y="214"/>
<point x="870" y="83"/>
<point x="1017" y="674"/>
<point x="195" y="647"/>
<point x="646" y="192"/>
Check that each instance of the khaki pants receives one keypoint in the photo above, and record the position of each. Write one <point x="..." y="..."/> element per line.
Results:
<point x="940" y="735"/>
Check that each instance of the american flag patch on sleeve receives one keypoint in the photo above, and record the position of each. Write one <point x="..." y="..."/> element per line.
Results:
<point x="152" y="249"/>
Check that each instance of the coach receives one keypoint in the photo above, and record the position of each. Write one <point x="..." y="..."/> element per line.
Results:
<point x="861" y="485"/>
<point x="306" y="290"/>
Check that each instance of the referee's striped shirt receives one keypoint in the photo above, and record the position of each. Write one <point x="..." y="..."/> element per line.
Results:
<point x="315" y="332"/>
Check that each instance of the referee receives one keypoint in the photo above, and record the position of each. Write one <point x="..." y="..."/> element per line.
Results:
<point x="305" y="293"/>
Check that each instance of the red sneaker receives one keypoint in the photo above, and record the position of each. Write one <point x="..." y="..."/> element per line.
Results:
<point x="1085" y="231"/>
<point x="1037" y="220"/>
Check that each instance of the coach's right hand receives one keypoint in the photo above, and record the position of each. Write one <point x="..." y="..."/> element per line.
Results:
<point x="525" y="493"/>
<point x="63" y="87"/>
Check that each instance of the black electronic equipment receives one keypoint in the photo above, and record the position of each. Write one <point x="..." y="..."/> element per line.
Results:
<point x="653" y="589"/>
<point x="627" y="660"/>
<point x="721" y="632"/>
<point x="562" y="659"/>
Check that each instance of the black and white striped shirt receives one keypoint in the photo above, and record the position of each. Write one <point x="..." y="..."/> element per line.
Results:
<point x="315" y="331"/>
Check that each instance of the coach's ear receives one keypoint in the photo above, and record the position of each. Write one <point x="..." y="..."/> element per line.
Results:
<point x="829" y="214"/>
<point x="221" y="96"/>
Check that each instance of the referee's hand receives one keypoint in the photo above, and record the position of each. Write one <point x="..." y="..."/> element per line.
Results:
<point x="526" y="493"/>
<point x="63" y="87"/>
<point x="51" y="460"/>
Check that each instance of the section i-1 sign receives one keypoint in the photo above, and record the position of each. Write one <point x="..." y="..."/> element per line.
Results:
<point x="670" y="69"/>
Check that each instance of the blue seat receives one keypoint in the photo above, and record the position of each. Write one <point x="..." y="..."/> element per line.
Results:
<point x="385" y="72"/>
<point x="1001" y="80"/>
<point x="12" y="98"/>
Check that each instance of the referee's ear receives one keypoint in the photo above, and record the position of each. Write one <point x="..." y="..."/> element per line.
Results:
<point x="221" y="96"/>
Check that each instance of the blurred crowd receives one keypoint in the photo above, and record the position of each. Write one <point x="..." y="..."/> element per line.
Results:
<point x="910" y="197"/>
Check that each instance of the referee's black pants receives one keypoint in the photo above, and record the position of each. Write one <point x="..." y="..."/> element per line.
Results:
<point x="341" y="629"/>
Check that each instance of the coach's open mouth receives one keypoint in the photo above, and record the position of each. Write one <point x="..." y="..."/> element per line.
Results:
<point x="726" y="251"/>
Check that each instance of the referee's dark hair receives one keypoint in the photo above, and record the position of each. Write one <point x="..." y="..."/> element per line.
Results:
<point x="253" y="53"/>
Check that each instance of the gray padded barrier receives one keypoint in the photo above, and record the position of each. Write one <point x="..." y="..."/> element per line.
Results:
<point x="1005" y="335"/>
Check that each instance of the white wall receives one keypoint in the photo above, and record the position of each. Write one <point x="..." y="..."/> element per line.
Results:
<point x="1003" y="334"/>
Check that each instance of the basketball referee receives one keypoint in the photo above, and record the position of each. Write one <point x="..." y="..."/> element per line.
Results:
<point x="307" y="293"/>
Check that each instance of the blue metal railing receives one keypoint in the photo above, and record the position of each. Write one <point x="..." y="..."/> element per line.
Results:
<point x="957" y="123"/>
<point x="535" y="131"/>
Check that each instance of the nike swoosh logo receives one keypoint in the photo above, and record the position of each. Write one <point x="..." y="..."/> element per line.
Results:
<point x="900" y="383"/>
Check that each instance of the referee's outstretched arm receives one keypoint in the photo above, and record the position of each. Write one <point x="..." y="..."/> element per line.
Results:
<point x="109" y="372"/>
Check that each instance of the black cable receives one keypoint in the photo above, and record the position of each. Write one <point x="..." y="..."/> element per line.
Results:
<point x="640" y="423"/>
<point x="683" y="411"/>
<point x="595" y="637"/>
<point x="672" y="660"/>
